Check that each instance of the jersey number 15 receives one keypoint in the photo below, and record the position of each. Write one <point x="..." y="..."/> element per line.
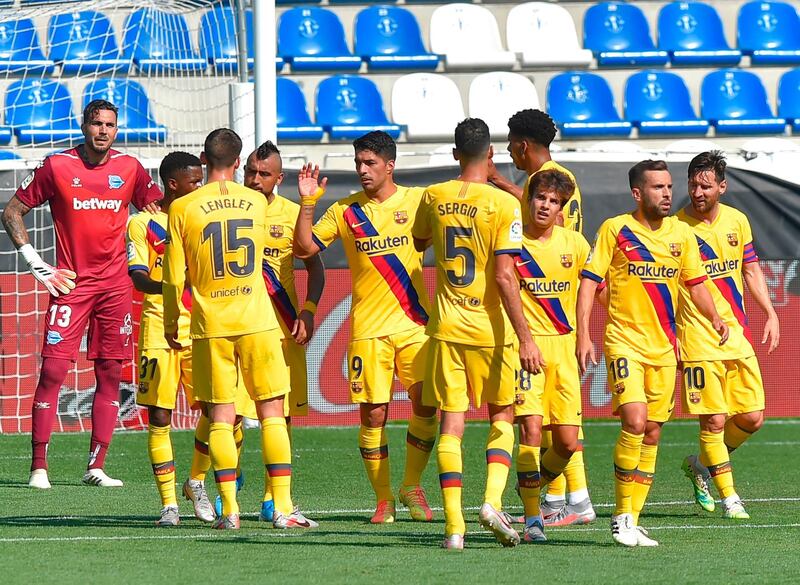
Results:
<point x="233" y="242"/>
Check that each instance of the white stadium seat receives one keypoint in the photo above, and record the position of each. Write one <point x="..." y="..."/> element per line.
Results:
<point x="469" y="38"/>
<point x="544" y="34"/>
<point x="495" y="97"/>
<point x="429" y="105"/>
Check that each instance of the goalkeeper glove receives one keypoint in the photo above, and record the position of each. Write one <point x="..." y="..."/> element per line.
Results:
<point x="311" y="200"/>
<point x="55" y="280"/>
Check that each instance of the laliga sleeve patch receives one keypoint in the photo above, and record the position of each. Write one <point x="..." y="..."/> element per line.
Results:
<point x="131" y="251"/>
<point x="515" y="231"/>
<point x="27" y="181"/>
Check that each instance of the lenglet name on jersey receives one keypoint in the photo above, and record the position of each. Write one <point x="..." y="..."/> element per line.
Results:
<point x="649" y="270"/>
<point x="537" y="286"/>
<point x="226" y="203"/>
<point x="457" y="209"/>
<point x="372" y="245"/>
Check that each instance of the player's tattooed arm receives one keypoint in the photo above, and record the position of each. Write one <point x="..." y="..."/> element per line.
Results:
<point x="502" y="182"/>
<point x="13" y="213"/>
<point x="757" y="284"/>
<point x="143" y="283"/>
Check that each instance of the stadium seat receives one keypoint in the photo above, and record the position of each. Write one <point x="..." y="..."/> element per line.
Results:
<point x="495" y="97"/>
<point x="349" y="106"/>
<point x="9" y="154"/>
<point x="618" y="35"/>
<point x="20" y="51"/>
<point x="582" y="106"/>
<point x="218" y="42"/>
<point x="468" y="37"/>
<point x="40" y="111"/>
<point x="84" y="43"/>
<point x="294" y="123"/>
<point x="735" y="102"/>
<point x="657" y="102"/>
<point x="134" y="119"/>
<point x="389" y="38"/>
<point x="544" y="34"/>
<point x="312" y="39"/>
<point x="428" y="105"/>
<point x="692" y="34"/>
<point x="789" y="98"/>
<point x="159" y="41"/>
<point x="769" y="32"/>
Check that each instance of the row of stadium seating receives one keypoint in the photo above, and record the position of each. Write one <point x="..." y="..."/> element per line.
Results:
<point x="467" y="36"/>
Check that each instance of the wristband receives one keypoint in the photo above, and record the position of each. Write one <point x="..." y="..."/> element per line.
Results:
<point x="30" y="254"/>
<point x="311" y="200"/>
<point x="310" y="306"/>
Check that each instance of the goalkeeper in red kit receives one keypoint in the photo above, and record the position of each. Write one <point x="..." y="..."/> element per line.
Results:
<point x="89" y="189"/>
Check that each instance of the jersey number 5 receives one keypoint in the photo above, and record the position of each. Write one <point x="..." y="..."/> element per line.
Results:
<point x="233" y="243"/>
<point x="452" y="251"/>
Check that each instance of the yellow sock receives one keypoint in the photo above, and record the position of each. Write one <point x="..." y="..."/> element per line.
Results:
<point x="643" y="479"/>
<point x="552" y="467"/>
<point x="238" y="437"/>
<point x="716" y="458"/>
<point x="267" y="482"/>
<point x="200" y="459"/>
<point x="277" y="456"/>
<point x="626" y="459"/>
<point x="159" y="447"/>
<point x="556" y="488"/>
<point x="449" y="460"/>
<point x="498" y="462"/>
<point x="528" y="479"/>
<point x="375" y="454"/>
<point x="575" y="472"/>
<point x="734" y="435"/>
<point x="222" y="448"/>
<point x="420" y="438"/>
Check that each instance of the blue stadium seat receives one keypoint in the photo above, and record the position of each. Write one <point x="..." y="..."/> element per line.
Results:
<point x="218" y="38"/>
<point x="134" y="119"/>
<point x="20" y="51"/>
<point x="312" y="39"/>
<point x="349" y="106"/>
<point x="618" y="35"/>
<point x="389" y="38"/>
<point x="40" y="111"/>
<point x="159" y="41"/>
<point x="582" y="106"/>
<point x="294" y="123"/>
<point x="770" y="33"/>
<point x="84" y="43"/>
<point x="657" y="102"/>
<point x="735" y="102"/>
<point x="789" y="98"/>
<point x="692" y="33"/>
<point x="9" y="154"/>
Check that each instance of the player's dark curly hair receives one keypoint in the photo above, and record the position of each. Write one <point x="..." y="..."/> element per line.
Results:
<point x="637" y="171"/>
<point x="552" y="180"/>
<point x="709" y="161"/>
<point x="94" y="106"/>
<point x="222" y="147"/>
<point x="472" y="138"/>
<point x="175" y="162"/>
<point x="378" y="142"/>
<point x="266" y="150"/>
<point x="533" y="125"/>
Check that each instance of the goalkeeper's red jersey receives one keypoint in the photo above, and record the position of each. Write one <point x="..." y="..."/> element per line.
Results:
<point x="89" y="205"/>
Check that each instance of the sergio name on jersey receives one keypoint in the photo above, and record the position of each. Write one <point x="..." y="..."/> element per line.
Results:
<point x="278" y="263"/>
<point x="726" y="245"/>
<point x="643" y="269"/>
<point x="573" y="215"/>
<point x="548" y="280"/>
<point x="215" y="237"/>
<point x="389" y="295"/>
<point x="469" y="223"/>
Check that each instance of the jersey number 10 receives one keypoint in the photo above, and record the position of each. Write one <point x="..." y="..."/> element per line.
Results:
<point x="233" y="242"/>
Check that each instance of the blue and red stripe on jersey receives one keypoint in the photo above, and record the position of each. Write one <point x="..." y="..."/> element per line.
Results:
<point x="156" y="236"/>
<point x="279" y="469"/>
<point x="358" y="222"/>
<point x="498" y="456"/>
<point x="450" y="479"/>
<point x="527" y="267"/>
<point x="749" y="254"/>
<point x="706" y="251"/>
<point x="632" y="247"/>
<point x="727" y="287"/>
<point x="279" y="295"/>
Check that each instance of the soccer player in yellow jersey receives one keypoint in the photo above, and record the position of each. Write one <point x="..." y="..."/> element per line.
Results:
<point x="721" y="384"/>
<point x="643" y="256"/>
<point x="548" y="268"/>
<point x="215" y="238"/>
<point x="476" y="232"/>
<point x="389" y="311"/>
<point x="162" y="370"/>
<point x="263" y="172"/>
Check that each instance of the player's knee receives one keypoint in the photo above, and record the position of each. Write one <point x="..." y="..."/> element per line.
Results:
<point x="159" y="417"/>
<point x="713" y="424"/>
<point x="634" y="425"/>
<point x="750" y="421"/>
<point x="652" y="433"/>
<point x="529" y="432"/>
<point x="374" y="415"/>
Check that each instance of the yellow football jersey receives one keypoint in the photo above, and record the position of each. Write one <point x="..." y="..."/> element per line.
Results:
<point x="215" y="236"/>
<point x="643" y="268"/>
<point x="147" y="234"/>
<point x="278" y="263"/>
<point x="548" y="280"/>
<point x="469" y="223"/>
<point x="389" y="294"/>
<point x="726" y="245"/>
<point x="573" y="215"/>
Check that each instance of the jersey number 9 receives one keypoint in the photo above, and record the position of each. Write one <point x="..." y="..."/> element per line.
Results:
<point x="233" y="243"/>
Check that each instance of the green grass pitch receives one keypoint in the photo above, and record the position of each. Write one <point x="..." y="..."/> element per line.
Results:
<point x="78" y="534"/>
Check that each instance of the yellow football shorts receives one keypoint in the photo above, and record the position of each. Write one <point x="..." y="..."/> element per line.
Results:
<point x="294" y="355"/>
<point x="555" y="394"/>
<point x="256" y="358"/>
<point x="722" y="386"/>
<point x="632" y="381"/>
<point x="372" y="364"/>
<point x="454" y="370"/>
<point x="161" y="373"/>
